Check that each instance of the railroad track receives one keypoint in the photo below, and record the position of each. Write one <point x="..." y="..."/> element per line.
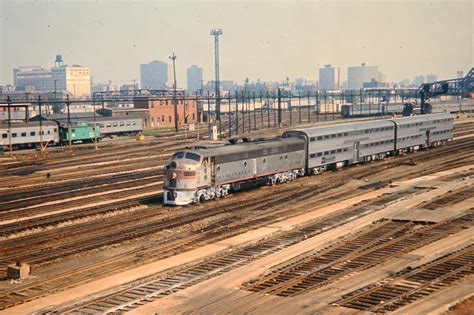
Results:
<point x="148" y="289"/>
<point x="106" y="197"/>
<point x="410" y="285"/>
<point x="171" y="245"/>
<point x="362" y="251"/>
<point x="452" y="197"/>
<point x="86" y="187"/>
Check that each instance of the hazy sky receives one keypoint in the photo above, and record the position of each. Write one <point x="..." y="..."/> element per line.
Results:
<point x="269" y="40"/>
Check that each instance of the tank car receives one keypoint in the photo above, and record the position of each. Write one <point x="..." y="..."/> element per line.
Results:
<point x="208" y="173"/>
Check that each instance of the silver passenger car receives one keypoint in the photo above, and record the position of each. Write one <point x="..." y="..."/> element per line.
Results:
<point x="423" y="130"/>
<point x="119" y="125"/>
<point x="345" y="143"/>
<point x="25" y="135"/>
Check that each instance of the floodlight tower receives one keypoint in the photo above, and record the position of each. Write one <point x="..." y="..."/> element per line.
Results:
<point x="216" y="33"/>
<point x="175" y="106"/>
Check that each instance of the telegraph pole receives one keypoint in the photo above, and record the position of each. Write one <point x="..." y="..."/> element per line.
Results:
<point x="216" y="34"/>
<point x="173" y="57"/>
<point x="10" y="146"/>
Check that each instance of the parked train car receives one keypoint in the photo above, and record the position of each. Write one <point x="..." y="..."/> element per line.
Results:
<point x="366" y="110"/>
<point x="109" y="126"/>
<point x="203" y="174"/>
<point x="80" y="132"/>
<point x="119" y="125"/>
<point x="27" y="135"/>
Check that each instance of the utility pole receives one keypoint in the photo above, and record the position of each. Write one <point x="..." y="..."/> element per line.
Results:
<point x="10" y="146"/>
<point x="134" y="86"/>
<point x="40" y="123"/>
<point x="173" y="57"/>
<point x="69" y="133"/>
<point x="55" y="107"/>
<point x="279" y="108"/>
<point x="216" y="34"/>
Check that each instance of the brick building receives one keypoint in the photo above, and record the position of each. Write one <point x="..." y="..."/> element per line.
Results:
<point x="161" y="110"/>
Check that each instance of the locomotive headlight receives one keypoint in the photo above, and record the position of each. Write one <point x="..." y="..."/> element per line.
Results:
<point x="174" y="175"/>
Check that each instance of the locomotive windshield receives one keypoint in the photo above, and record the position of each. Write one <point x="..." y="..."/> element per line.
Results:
<point x="178" y="155"/>
<point x="193" y="156"/>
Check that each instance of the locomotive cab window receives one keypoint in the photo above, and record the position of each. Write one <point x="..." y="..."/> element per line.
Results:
<point x="4" y="135"/>
<point x="23" y="134"/>
<point x="193" y="156"/>
<point x="178" y="155"/>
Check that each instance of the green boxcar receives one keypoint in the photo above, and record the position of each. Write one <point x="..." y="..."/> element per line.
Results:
<point x="79" y="132"/>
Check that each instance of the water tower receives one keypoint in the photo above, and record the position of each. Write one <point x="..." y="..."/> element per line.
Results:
<point x="59" y="61"/>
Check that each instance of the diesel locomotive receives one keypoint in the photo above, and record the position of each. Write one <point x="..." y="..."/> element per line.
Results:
<point x="202" y="173"/>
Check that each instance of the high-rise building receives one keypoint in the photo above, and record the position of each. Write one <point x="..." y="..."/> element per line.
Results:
<point x="194" y="78"/>
<point x="61" y="78"/>
<point x="329" y="78"/>
<point x="36" y="77"/>
<point x="154" y="75"/>
<point x="357" y="75"/>
<point x="430" y="78"/>
<point x="74" y="79"/>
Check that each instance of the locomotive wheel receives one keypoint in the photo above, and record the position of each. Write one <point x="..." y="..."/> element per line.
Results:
<point x="202" y="198"/>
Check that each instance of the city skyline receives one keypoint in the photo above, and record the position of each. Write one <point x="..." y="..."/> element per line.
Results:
<point x="429" y="38"/>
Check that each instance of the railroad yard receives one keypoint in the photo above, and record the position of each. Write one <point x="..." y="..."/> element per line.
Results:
<point x="389" y="236"/>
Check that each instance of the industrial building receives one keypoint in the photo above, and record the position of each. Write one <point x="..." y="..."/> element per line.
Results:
<point x="357" y="75"/>
<point x="329" y="78"/>
<point x="194" y="79"/>
<point x="161" y="110"/>
<point x="154" y="75"/>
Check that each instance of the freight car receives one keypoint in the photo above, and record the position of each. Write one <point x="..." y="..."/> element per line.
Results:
<point x="368" y="110"/>
<point x="206" y="173"/>
<point x="27" y="135"/>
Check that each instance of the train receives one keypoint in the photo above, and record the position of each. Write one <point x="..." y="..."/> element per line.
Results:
<point x="204" y="172"/>
<point x="27" y="135"/>
<point x="367" y="110"/>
